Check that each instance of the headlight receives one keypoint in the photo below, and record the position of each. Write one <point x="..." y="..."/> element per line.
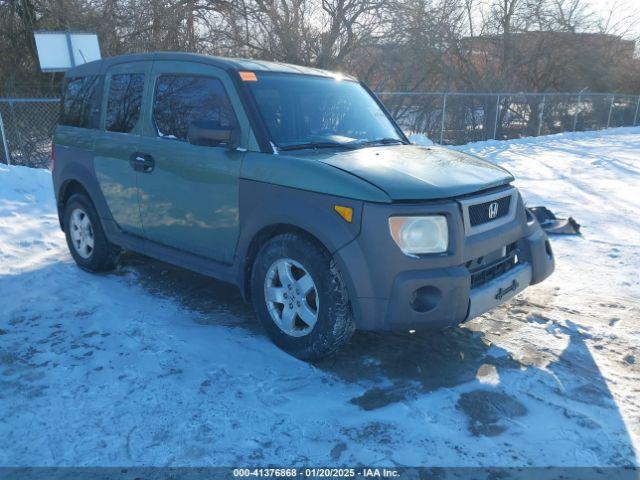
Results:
<point x="416" y="235"/>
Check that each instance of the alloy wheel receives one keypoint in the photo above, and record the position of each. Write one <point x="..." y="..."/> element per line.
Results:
<point x="291" y="297"/>
<point x="81" y="232"/>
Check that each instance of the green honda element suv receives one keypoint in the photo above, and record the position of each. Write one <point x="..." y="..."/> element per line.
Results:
<point x="296" y="185"/>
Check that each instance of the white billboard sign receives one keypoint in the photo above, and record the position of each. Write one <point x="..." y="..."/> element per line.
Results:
<point x="60" y="51"/>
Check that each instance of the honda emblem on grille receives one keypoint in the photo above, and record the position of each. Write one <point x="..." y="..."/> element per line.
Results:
<point x="493" y="209"/>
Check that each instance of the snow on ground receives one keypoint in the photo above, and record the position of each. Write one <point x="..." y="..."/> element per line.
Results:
<point x="153" y="365"/>
<point x="594" y="177"/>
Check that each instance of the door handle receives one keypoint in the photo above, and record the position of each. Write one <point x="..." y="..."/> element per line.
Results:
<point x="142" y="162"/>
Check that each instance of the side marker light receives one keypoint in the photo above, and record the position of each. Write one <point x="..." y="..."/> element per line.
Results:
<point x="344" y="212"/>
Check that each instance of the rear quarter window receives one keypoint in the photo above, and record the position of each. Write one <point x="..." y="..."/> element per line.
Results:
<point x="124" y="101"/>
<point x="80" y="102"/>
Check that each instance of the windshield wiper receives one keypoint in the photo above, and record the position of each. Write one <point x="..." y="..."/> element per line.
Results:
<point x="380" y="141"/>
<point x="301" y="146"/>
<point x="349" y="145"/>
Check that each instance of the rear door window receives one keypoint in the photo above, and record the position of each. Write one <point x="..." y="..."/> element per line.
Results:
<point x="124" y="102"/>
<point x="182" y="100"/>
<point x="80" y="102"/>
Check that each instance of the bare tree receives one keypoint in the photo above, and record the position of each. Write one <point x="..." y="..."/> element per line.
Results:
<point x="410" y="45"/>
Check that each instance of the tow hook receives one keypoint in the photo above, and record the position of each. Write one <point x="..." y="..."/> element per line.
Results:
<point x="503" y="291"/>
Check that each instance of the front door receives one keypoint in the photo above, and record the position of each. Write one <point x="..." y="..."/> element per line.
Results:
<point x="189" y="196"/>
<point x="118" y="140"/>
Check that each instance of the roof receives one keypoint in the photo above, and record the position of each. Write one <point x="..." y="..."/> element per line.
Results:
<point x="233" y="64"/>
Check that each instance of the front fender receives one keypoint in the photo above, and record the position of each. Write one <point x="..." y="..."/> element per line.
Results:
<point x="264" y="206"/>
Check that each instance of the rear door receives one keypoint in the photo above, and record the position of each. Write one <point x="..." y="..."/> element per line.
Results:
<point x="189" y="199"/>
<point x="117" y="145"/>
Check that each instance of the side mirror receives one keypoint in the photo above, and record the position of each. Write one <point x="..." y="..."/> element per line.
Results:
<point x="211" y="134"/>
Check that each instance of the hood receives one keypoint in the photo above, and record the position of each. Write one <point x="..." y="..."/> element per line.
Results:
<point x="412" y="172"/>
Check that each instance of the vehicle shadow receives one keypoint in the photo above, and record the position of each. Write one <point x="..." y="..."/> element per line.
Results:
<point x="402" y="366"/>
<point x="215" y="302"/>
<point x="505" y="362"/>
<point x="580" y="384"/>
<point x="497" y="361"/>
<point x="432" y="360"/>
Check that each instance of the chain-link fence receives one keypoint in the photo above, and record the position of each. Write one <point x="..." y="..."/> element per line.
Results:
<point x="459" y="118"/>
<point x="27" y="124"/>
<point x="26" y="128"/>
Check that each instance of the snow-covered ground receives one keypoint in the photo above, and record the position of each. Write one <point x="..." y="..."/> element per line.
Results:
<point x="153" y="365"/>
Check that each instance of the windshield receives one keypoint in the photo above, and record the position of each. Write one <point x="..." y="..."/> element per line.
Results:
<point x="302" y="111"/>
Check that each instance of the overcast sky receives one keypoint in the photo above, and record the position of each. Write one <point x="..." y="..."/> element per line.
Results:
<point x="624" y="19"/>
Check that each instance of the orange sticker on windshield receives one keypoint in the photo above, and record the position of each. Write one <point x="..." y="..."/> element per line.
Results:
<point x="248" y="77"/>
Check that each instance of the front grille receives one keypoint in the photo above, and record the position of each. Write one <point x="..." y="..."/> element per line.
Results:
<point x="484" y="274"/>
<point x="479" y="213"/>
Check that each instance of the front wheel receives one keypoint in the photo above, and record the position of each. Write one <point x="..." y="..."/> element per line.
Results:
<point x="300" y="298"/>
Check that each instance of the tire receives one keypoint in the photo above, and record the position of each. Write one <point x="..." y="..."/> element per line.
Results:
<point x="334" y="324"/>
<point x="102" y="255"/>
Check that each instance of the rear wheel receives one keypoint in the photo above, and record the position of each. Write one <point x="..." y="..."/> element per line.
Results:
<point x="300" y="298"/>
<point x="86" y="239"/>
